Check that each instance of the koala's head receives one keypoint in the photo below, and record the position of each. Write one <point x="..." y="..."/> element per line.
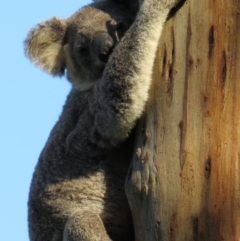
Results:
<point x="81" y="44"/>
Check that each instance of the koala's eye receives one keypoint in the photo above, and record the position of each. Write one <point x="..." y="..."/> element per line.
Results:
<point x="83" y="50"/>
<point x="120" y="26"/>
<point x="120" y="30"/>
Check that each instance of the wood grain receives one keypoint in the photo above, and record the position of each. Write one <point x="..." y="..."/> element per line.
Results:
<point x="184" y="182"/>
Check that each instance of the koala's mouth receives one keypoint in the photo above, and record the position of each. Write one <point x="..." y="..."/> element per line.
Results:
<point x="104" y="58"/>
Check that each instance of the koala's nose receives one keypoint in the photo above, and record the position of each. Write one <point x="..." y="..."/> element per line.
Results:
<point x="103" y="45"/>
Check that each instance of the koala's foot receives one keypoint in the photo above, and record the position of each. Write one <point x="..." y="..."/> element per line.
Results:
<point x="85" y="226"/>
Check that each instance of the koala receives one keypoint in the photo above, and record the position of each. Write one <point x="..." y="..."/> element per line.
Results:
<point x="107" y="51"/>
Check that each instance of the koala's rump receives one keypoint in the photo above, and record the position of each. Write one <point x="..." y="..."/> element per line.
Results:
<point x="87" y="185"/>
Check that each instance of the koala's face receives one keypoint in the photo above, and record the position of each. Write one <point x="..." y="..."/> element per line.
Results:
<point x="92" y="34"/>
<point x="82" y="44"/>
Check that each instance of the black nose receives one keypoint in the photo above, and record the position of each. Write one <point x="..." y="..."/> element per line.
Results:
<point x="103" y="45"/>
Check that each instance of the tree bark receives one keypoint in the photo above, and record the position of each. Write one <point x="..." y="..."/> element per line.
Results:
<point x="184" y="181"/>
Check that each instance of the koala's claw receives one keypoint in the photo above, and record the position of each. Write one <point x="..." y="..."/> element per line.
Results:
<point x="177" y="2"/>
<point x="171" y="3"/>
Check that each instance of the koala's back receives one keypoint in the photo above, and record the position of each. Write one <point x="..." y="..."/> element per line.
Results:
<point x="67" y="180"/>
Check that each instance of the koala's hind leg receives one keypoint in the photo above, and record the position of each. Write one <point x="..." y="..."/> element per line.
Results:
<point x="85" y="226"/>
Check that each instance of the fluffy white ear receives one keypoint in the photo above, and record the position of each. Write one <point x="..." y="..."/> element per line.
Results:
<point x="44" y="46"/>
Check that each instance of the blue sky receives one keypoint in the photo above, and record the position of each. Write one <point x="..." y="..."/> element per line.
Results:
<point x="30" y="103"/>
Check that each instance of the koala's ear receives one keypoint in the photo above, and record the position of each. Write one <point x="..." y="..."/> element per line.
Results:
<point x="44" y="46"/>
<point x="133" y="5"/>
<point x="130" y="4"/>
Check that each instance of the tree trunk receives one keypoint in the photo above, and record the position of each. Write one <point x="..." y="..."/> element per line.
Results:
<point x="184" y="182"/>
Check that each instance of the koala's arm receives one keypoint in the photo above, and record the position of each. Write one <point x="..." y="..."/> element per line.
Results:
<point x="119" y="98"/>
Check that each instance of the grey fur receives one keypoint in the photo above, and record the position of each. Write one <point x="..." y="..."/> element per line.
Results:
<point x="77" y="190"/>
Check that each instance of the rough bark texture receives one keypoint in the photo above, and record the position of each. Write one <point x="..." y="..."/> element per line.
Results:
<point x="184" y="183"/>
